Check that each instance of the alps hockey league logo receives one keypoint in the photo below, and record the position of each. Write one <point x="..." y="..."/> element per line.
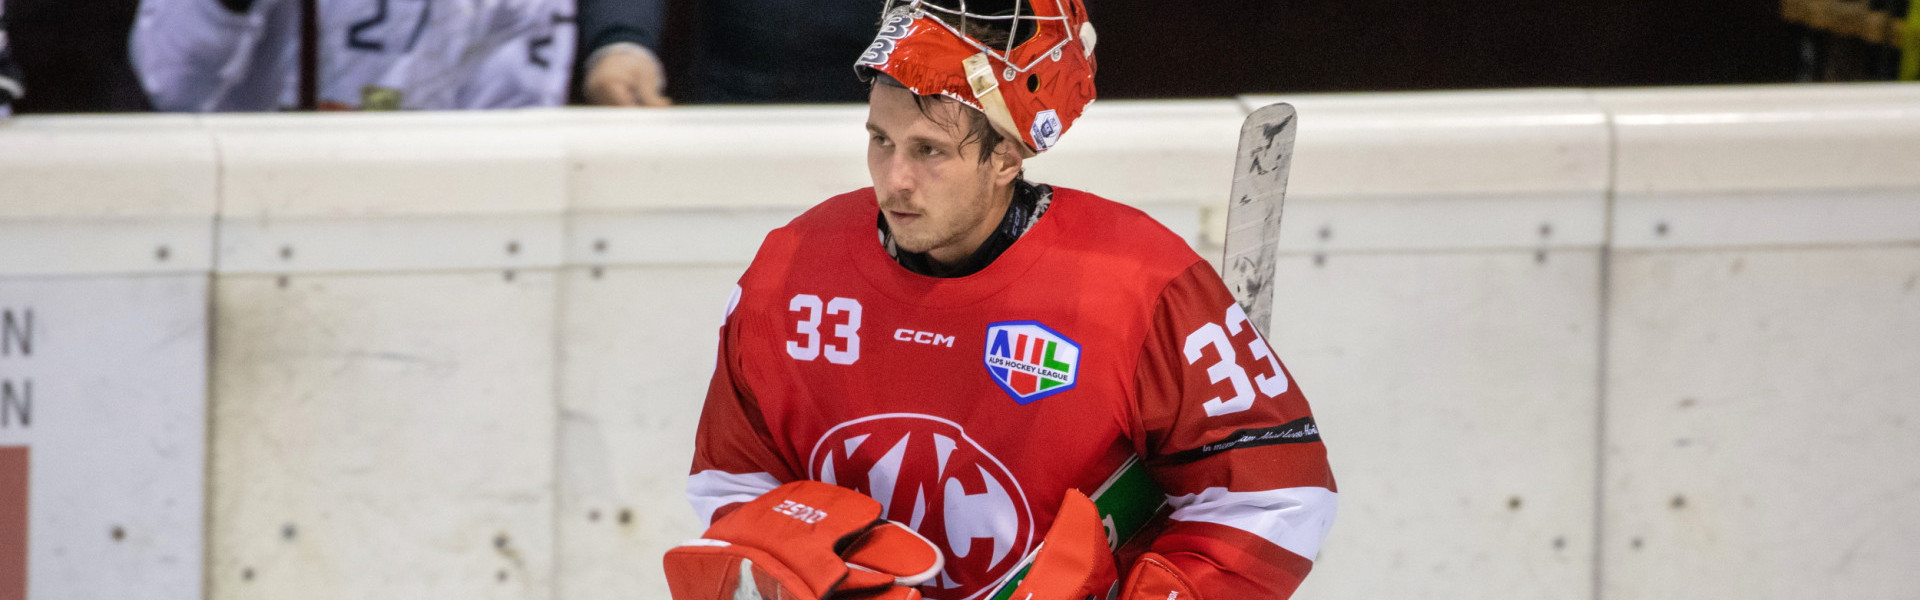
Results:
<point x="1030" y="361"/>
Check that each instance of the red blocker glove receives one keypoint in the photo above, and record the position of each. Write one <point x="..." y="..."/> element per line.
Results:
<point x="805" y="540"/>
<point x="1074" y="561"/>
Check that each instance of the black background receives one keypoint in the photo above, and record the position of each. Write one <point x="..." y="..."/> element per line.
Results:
<point x="73" y="52"/>
<point x="1162" y="49"/>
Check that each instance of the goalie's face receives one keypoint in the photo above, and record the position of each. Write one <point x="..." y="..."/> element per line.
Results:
<point x="935" y="192"/>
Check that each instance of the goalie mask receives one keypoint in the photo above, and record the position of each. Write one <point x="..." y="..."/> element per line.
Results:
<point x="1028" y="67"/>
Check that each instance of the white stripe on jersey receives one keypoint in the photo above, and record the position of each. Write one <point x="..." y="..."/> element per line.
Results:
<point x="711" y="489"/>
<point x="1293" y="518"/>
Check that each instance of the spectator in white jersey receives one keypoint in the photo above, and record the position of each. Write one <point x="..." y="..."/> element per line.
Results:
<point x="246" y="55"/>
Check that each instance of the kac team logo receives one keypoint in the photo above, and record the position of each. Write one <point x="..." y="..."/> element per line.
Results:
<point x="930" y="475"/>
<point x="1030" y="361"/>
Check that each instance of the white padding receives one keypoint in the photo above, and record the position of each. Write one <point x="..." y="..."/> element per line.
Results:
<point x="390" y="192"/>
<point x="423" y="243"/>
<point x="714" y="157"/>
<point x="97" y="246"/>
<point x="672" y="236"/>
<point x="1191" y="161"/>
<point x="1812" y="218"/>
<point x="1470" y="222"/>
<point x="117" y="166"/>
<point x="384" y="165"/>
<point x="1529" y="142"/>
<point x="1766" y="138"/>
<point x="1293" y="518"/>
<point x="1444" y="171"/>
<point x="106" y="195"/>
<point x="1766" y="166"/>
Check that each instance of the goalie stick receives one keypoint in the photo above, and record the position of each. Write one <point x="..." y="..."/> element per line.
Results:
<point x="1253" y="215"/>
<point x="1129" y="499"/>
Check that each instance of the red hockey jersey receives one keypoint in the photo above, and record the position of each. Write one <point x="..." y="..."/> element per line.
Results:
<point x="968" y="406"/>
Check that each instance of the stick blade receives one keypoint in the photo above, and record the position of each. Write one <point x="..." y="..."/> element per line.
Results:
<point x="1253" y="212"/>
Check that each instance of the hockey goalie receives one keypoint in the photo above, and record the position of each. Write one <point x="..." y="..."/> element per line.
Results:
<point x="921" y="384"/>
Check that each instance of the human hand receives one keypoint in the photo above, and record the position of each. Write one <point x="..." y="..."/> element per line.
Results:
<point x="625" y="74"/>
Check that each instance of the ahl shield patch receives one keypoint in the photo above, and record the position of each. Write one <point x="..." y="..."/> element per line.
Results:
<point x="1030" y="361"/>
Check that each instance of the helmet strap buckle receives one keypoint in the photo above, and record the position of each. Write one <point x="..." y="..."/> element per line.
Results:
<point x="986" y="89"/>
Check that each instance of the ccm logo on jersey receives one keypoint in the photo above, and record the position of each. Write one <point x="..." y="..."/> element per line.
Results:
<point x="1030" y="361"/>
<point x="923" y="337"/>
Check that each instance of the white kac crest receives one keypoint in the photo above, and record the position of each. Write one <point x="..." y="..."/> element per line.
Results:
<point x="928" y="474"/>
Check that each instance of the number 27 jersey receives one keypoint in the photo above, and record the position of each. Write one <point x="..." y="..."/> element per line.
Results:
<point x="968" y="406"/>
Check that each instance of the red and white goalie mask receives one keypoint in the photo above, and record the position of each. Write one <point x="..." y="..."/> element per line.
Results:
<point x="1032" y="83"/>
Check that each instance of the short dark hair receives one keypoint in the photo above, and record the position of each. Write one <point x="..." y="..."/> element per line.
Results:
<point x="976" y="128"/>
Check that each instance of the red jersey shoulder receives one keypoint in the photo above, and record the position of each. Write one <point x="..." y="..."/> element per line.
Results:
<point x="1109" y="231"/>
<point x="821" y="229"/>
<point x="833" y="217"/>
<point x="1101" y="223"/>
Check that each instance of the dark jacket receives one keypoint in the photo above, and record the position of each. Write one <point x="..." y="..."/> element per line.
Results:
<point x="750" y="51"/>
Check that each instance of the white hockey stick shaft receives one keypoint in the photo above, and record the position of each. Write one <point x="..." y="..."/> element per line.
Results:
<point x="1253" y="211"/>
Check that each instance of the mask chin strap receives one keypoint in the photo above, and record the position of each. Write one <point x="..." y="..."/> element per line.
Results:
<point x="986" y="89"/>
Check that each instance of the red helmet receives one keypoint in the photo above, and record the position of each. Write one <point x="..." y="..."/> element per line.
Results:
<point x="1031" y="88"/>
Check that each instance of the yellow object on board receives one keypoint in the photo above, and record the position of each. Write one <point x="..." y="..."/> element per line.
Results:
<point x="1910" y="51"/>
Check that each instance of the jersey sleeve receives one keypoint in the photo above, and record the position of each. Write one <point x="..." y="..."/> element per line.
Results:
<point x="199" y="56"/>
<point x="1231" y="440"/>
<point x="734" y="459"/>
<point x="529" y="69"/>
<point x="604" y="22"/>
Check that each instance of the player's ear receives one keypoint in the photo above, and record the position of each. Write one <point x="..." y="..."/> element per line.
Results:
<point x="1006" y="162"/>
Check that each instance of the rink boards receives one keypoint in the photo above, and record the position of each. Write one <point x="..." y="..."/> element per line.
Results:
<point x="1632" y="344"/>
